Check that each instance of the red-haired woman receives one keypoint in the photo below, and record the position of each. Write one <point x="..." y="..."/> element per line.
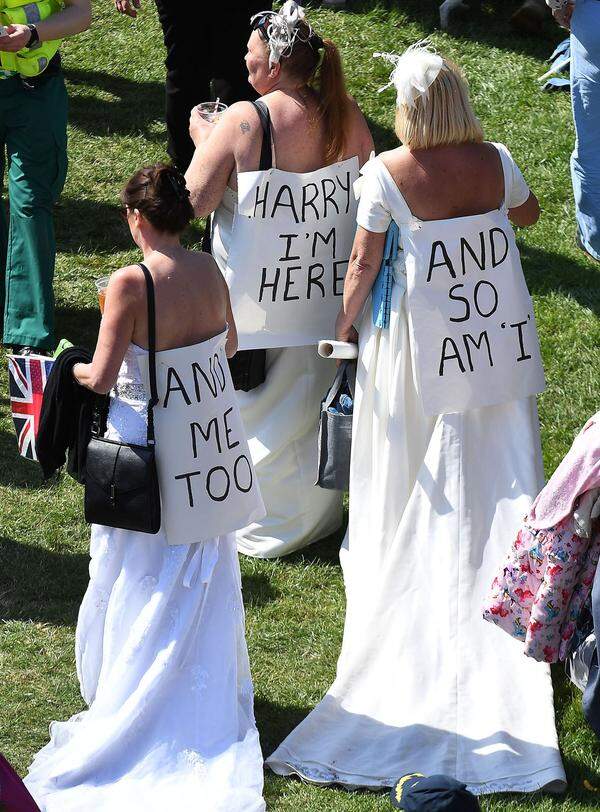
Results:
<point x="305" y="121"/>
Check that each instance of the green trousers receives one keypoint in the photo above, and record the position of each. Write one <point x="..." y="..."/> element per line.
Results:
<point x="33" y="134"/>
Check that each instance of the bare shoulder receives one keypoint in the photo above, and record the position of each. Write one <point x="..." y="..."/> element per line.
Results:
<point x="397" y="160"/>
<point x="241" y="119"/>
<point x="127" y="281"/>
<point x="204" y="263"/>
<point x="360" y="138"/>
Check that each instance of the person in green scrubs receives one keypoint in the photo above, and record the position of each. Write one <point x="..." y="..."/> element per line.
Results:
<point x="33" y="141"/>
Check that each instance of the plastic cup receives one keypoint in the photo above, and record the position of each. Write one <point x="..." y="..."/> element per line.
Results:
<point x="211" y="111"/>
<point x="101" y="285"/>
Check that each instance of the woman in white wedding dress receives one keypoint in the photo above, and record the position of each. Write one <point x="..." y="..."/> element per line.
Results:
<point x="423" y="683"/>
<point x="303" y="121"/>
<point x="160" y="647"/>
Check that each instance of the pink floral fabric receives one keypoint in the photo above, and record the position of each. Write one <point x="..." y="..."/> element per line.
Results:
<point x="543" y="586"/>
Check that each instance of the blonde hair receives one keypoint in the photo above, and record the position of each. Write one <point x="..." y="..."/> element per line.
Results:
<point x="443" y="116"/>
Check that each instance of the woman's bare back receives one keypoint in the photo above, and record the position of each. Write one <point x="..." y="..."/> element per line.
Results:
<point x="298" y="134"/>
<point x="191" y="300"/>
<point x="449" y="181"/>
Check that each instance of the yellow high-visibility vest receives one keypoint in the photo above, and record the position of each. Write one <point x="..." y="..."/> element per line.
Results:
<point x="28" y="61"/>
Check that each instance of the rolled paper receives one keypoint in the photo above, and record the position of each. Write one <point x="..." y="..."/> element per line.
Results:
<point x="329" y="348"/>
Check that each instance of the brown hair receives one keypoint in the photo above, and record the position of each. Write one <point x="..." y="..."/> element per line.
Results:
<point x="442" y="116"/>
<point x="160" y="194"/>
<point x="317" y="62"/>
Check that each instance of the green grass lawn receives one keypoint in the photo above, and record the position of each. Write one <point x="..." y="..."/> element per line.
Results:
<point x="295" y="607"/>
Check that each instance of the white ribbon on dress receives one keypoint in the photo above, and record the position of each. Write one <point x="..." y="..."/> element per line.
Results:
<point x="414" y="72"/>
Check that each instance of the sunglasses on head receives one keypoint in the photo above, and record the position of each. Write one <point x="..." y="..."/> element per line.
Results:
<point x="260" y="23"/>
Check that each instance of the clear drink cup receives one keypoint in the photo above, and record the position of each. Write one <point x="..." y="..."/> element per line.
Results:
<point x="101" y="285"/>
<point x="211" y="111"/>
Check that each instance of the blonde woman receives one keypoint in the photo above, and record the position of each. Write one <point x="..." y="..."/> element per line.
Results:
<point x="423" y="685"/>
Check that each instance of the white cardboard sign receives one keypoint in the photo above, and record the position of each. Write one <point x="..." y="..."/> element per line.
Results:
<point x="207" y="481"/>
<point x="291" y="242"/>
<point x="473" y="333"/>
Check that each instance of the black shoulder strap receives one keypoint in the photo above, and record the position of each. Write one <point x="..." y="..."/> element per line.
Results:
<point x="151" y="351"/>
<point x="266" y="153"/>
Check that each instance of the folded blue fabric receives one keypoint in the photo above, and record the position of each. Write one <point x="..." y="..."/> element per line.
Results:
<point x="381" y="293"/>
<point x="562" y="48"/>
<point x="557" y="83"/>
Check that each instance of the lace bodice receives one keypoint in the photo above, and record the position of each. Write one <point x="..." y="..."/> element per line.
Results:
<point x="127" y="416"/>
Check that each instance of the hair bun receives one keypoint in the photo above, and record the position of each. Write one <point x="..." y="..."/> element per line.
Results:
<point x="160" y="193"/>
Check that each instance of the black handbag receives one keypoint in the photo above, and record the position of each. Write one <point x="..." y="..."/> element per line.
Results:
<point x="121" y="488"/>
<point x="247" y="369"/>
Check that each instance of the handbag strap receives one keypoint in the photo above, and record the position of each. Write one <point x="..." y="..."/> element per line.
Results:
<point x="266" y="151"/>
<point x="151" y="352"/>
<point x="344" y="372"/>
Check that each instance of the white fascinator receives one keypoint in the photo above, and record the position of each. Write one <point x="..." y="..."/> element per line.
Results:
<point x="281" y="29"/>
<point x="414" y="72"/>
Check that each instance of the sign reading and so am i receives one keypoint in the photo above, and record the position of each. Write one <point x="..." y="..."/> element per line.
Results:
<point x="474" y="339"/>
<point x="291" y="243"/>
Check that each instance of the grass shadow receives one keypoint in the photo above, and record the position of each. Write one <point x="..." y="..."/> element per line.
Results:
<point x="275" y="721"/>
<point x="491" y="25"/>
<point x="15" y="470"/>
<point x="104" y="104"/>
<point x="324" y="551"/>
<point x="547" y="271"/>
<point x="104" y="232"/>
<point x="257" y="590"/>
<point x="39" y="585"/>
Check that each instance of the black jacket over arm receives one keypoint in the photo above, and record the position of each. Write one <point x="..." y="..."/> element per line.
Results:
<point x="67" y="416"/>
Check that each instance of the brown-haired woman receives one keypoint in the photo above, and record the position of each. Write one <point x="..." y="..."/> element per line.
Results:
<point x="313" y="124"/>
<point x="160" y="648"/>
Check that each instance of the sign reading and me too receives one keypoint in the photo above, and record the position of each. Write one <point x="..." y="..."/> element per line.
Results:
<point x="207" y="481"/>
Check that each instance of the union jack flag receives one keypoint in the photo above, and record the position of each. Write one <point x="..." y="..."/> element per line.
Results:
<point x="27" y="376"/>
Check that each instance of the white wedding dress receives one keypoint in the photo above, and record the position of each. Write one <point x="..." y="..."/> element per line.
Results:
<point x="423" y="683"/>
<point x="163" y="666"/>
<point x="281" y="420"/>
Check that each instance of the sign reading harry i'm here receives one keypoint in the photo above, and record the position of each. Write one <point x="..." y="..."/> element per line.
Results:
<point x="207" y="481"/>
<point x="473" y="333"/>
<point x="292" y="238"/>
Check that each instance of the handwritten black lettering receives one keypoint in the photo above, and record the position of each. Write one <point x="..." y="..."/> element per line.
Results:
<point x="434" y="263"/>
<point x="210" y="487"/>
<point x="273" y="285"/>
<point x="325" y="240"/>
<point x="289" y="282"/>
<point x="261" y="201"/>
<point x="314" y="279"/>
<point x="524" y="356"/>
<point x="280" y="203"/>
<point x="172" y="374"/>
<point x="288" y="238"/>
<point x="477" y="344"/>
<point x="309" y="202"/>
<point x="450" y="356"/>
<point x="188" y="479"/>
<point x="495" y="260"/>
<point x="466" y="246"/>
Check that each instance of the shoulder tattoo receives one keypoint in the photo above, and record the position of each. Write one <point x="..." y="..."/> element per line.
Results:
<point x="244" y="127"/>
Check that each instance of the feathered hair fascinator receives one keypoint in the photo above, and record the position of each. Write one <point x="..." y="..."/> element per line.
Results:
<point x="281" y="29"/>
<point x="414" y="72"/>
